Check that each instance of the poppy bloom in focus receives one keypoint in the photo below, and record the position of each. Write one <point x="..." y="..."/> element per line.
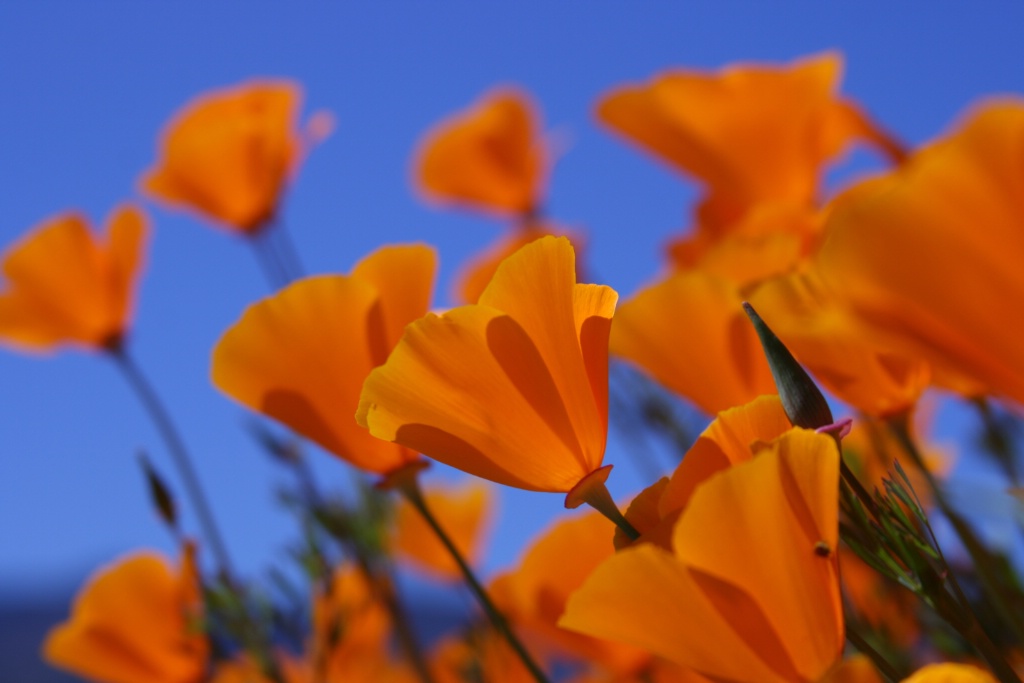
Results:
<point x="301" y="355"/>
<point x="66" y="286"/>
<point x="514" y="388"/>
<point x="489" y="157"/>
<point x="137" y="621"/>
<point x="705" y="604"/>
<point x="229" y="153"/>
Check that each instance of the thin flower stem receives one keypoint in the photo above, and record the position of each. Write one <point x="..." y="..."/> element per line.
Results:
<point x="272" y="267"/>
<point x="287" y="253"/>
<point x="179" y="455"/>
<point x="409" y="487"/>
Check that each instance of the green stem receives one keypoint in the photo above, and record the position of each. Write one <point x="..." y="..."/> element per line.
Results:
<point x="975" y="633"/>
<point x="409" y="487"/>
<point x="179" y="454"/>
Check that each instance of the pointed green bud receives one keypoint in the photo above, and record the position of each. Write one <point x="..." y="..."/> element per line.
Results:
<point x="803" y="402"/>
<point x="159" y="494"/>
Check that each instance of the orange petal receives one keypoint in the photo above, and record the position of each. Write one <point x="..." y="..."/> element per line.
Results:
<point x="689" y="332"/>
<point x="708" y="607"/>
<point x="513" y="389"/>
<point x="843" y="355"/>
<point x="128" y="625"/>
<point x="729" y="440"/>
<point x="475" y="275"/>
<point x="534" y="594"/>
<point x="950" y="673"/>
<point x="301" y="355"/>
<point x="782" y="508"/>
<point x="488" y="157"/>
<point x="928" y="256"/>
<point x="65" y="286"/>
<point x="645" y="597"/>
<point x="463" y="514"/>
<point x="751" y="133"/>
<point x="770" y="240"/>
<point x="229" y="153"/>
<point x="855" y="669"/>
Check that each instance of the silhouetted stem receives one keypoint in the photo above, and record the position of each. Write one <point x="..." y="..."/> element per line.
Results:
<point x="979" y="555"/>
<point x="409" y="487"/>
<point x="179" y="455"/>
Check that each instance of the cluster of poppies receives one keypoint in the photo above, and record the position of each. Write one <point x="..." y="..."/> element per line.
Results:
<point x="784" y="547"/>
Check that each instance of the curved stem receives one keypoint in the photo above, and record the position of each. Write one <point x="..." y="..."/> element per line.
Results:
<point x="409" y="487"/>
<point x="179" y="455"/>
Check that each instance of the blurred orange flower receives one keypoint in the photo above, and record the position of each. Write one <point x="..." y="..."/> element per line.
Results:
<point x="229" y="153"/>
<point x="770" y="240"/>
<point x="705" y="604"/>
<point x="136" y="621"/>
<point x="489" y="157"/>
<point x="513" y="389"/>
<point x="950" y="673"/>
<point x="301" y="355"/>
<point x="929" y="256"/>
<point x="689" y="332"/>
<point x="752" y="133"/>
<point x="464" y="514"/>
<point x="534" y="594"/>
<point x="845" y="357"/>
<point x="65" y="286"/>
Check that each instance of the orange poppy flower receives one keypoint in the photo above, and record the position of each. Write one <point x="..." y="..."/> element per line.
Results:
<point x="513" y="389"/>
<point x="463" y="513"/>
<point x="751" y="133"/>
<point x="689" y="332"/>
<point x="489" y="157"/>
<point x="764" y="607"/>
<point x="844" y="356"/>
<point x="301" y="355"/>
<point x="351" y="627"/>
<point x="928" y="256"/>
<point x="229" y="153"/>
<point x="730" y="439"/>
<point x="770" y="240"/>
<point x="534" y="594"/>
<point x="136" y="621"/>
<point x="65" y="286"/>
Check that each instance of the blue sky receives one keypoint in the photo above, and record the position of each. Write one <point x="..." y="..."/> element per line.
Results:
<point x="88" y="86"/>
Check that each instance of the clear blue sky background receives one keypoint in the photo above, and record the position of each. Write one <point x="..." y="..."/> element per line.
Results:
<point x="86" y="88"/>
